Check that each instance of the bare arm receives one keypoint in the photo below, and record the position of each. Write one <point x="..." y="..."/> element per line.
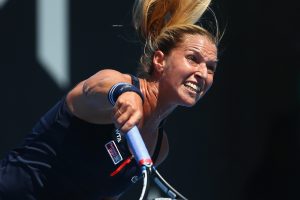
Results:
<point x="88" y="101"/>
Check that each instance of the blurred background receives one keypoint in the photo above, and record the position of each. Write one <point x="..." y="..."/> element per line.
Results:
<point x="241" y="142"/>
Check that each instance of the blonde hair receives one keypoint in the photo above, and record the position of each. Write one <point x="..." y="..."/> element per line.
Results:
<point x="162" y="24"/>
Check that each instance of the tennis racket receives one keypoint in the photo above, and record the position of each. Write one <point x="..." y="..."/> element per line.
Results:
<point x="149" y="172"/>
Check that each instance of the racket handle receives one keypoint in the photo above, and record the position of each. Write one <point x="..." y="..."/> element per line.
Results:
<point x="133" y="136"/>
<point x="137" y="145"/>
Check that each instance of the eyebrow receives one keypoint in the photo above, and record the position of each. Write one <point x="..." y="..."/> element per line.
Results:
<point x="195" y="50"/>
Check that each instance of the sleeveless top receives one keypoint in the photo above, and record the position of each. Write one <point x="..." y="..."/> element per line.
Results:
<point x="68" y="158"/>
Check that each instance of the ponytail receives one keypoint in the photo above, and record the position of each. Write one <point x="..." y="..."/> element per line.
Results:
<point x="161" y="24"/>
<point x="152" y="16"/>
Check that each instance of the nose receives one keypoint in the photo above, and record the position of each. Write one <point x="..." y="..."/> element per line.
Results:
<point x="202" y="70"/>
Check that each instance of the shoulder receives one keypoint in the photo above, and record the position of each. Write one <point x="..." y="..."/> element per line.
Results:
<point x="111" y="74"/>
<point x="104" y="79"/>
<point x="108" y="71"/>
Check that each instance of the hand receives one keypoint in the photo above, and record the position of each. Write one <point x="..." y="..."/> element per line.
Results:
<point x="128" y="111"/>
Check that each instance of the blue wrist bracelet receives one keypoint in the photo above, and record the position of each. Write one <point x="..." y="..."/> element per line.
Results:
<point x="119" y="88"/>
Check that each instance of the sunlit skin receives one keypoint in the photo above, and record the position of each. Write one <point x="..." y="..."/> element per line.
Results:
<point x="179" y="78"/>
<point x="194" y="61"/>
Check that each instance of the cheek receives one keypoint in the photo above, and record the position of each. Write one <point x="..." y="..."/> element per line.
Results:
<point x="173" y="73"/>
<point x="180" y="72"/>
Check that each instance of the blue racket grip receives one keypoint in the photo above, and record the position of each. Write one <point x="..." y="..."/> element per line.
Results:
<point x="133" y="136"/>
<point x="137" y="145"/>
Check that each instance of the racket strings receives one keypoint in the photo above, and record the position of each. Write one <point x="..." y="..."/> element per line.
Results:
<point x="162" y="184"/>
<point x="166" y="187"/>
<point x="146" y="171"/>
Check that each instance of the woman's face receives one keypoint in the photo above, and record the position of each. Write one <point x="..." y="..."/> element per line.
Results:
<point x="188" y="70"/>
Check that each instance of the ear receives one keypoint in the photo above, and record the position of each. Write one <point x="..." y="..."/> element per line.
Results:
<point x="158" y="62"/>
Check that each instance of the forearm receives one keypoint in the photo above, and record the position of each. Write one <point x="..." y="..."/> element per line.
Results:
<point x="88" y="100"/>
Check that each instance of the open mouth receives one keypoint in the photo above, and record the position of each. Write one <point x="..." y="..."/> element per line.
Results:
<point x="193" y="87"/>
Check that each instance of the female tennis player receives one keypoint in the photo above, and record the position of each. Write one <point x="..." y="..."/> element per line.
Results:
<point x="77" y="149"/>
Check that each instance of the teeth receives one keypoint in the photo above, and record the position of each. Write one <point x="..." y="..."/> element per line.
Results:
<point x="193" y="86"/>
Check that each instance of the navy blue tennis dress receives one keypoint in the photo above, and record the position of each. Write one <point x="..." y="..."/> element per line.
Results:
<point x="65" y="158"/>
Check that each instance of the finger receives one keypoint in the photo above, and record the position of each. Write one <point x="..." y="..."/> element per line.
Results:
<point x="120" y="119"/>
<point x="118" y="110"/>
<point x="116" y="114"/>
<point x="133" y="120"/>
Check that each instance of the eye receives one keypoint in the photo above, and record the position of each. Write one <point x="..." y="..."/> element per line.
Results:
<point x="211" y="69"/>
<point x="191" y="58"/>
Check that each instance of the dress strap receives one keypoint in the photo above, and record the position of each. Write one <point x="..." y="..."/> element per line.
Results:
<point x="135" y="81"/>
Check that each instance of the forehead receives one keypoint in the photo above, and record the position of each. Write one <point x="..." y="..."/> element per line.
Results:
<point x="199" y="43"/>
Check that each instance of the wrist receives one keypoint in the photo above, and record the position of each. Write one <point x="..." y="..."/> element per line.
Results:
<point x="120" y="88"/>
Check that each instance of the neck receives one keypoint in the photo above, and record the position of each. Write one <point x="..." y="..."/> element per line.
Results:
<point x="155" y="108"/>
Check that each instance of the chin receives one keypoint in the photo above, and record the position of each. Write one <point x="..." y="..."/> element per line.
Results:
<point x="188" y="99"/>
<point x="190" y="102"/>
